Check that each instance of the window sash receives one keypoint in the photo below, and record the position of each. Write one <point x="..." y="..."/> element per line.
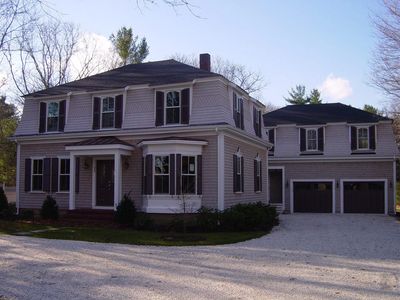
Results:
<point x="173" y="109"/>
<point x="108" y="112"/>
<point x="52" y="116"/>
<point x="362" y="138"/>
<point x="188" y="175"/>
<point x="37" y="175"/>
<point x="63" y="175"/>
<point x="312" y="138"/>
<point x="161" y="177"/>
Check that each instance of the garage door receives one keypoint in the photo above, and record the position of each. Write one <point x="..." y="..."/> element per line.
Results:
<point x="364" y="197"/>
<point x="313" y="197"/>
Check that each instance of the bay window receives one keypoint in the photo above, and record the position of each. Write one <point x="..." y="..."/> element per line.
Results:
<point x="161" y="174"/>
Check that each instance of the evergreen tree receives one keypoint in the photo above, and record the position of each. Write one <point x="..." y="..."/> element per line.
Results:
<point x="130" y="49"/>
<point x="297" y="95"/>
<point x="371" y="109"/>
<point x="315" y="97"/>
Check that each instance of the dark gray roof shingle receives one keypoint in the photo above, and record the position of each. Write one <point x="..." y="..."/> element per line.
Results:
<point x="104" y="140"/>
<point x="313" y="114"/>
<point x="152" y="73"/>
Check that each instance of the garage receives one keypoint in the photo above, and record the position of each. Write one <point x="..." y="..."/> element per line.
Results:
<point x="313" y="197"/>
<point x="367" y="197"/>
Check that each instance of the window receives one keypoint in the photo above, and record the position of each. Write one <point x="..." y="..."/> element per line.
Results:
<point x="238" y="174"/>
<point x="64" y="175"/>
<point x="37" y="174"/>
<point x="362" y="138"/>
<point x="107" y="112"/>
<point x="161" y="175"/>
<point x="172" y="107"/>
<point x="311" y="139"/>
<point x="53" y="110"/>
<point x="189" y="172"/>
<point x="238" y="111"/>
<point x="257" y="121"/>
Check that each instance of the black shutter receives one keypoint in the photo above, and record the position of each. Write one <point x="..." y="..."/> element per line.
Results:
<point x="159" y="108"/>
<point x="199" y="174"/>
<point x="242" y="173"/>
<point x="241" y="114"/>
<point x="42" y="119"/>
<point x="271" y="138"/>
<point x="96" y="113"/>
<point x="261" y="181"/>
<point x="172" y="174"/>
<point x="302" y="139"/>
<point x="28" y="171"/>
<point x="259" y="124"/>
<point x="185" y="106"/>
<point x="235" y="187"/>
<point x="61" y="116"/>
<point x="321" y="139"/>
<point x="54" y="175"/>
<point x="178" y="172"/>
<point x="372" y="141"/>
<point x="118" y="110"/>
<point x="353" y="131"/>
<point x="235" y="114"/>
<point x="149" y="174"/>
<point x="255" y="176"/>
<point x="143" y="178"/>
<point x="254" y="121"/>
<point x="77" y="171"/>
<point x="46" y="174"/>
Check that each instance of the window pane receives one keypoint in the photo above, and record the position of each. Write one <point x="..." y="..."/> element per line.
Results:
<point x="362" y="138"/>
<point x="192" y="165"/>
<point x="52" y="109"/>
<point x="108" y="104"/>
<point x="311" y="134"/>
<point x="188" y="184"/>
<point x="172" y="99"/>
<point x="64" y="182"/>
<point x="161" y="184"/>
<point x="161" y="165"/>
<point x="185" y="164"/>
<point x="107" y="120"/>
<point x="172" y="115"/>
<point x="36" y="182"/>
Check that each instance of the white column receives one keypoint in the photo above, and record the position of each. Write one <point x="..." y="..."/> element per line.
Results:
<point x="72" y="181"/>
<point x="221" y="170"/>
<point x="117" y="179"/>
<point x="17" y="184"/>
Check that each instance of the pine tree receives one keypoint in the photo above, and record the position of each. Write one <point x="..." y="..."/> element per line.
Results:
<point x="315" y="97"/>
<point x="297" y="95"/>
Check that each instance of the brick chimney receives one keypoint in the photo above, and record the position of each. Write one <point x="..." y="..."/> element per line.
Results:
<point x="205" y="62"/>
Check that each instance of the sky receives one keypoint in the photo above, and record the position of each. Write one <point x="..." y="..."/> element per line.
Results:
<point x="320" y="44"/>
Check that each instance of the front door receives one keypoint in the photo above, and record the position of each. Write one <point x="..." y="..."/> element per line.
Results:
<point x="104" y="183"/>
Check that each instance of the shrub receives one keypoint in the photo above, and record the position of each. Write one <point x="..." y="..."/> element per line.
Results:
<point x="26" y="214"/>
<point x="3" y="200"/>
<point x="126" y="211"/>
<point x="249" y="217"/>
<point x="49" y="209"/>
<point x="144" y="222"/>
<point x="207" y="219"/>
<point x="9" y="213"/>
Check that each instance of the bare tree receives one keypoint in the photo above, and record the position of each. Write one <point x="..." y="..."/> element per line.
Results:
<point x="385" y="64"/>
<point x="174" y="4"/>
<point x="252" y="82"/>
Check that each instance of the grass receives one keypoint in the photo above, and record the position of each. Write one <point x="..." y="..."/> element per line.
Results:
<point x="127" y="236"/>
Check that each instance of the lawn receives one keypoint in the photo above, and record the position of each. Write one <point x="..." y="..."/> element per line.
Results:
<point x="126" y="236"/>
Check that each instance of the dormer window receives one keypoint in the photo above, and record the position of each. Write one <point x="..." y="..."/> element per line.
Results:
<point x="172" y="107"/>
<point x="257" y="121"/>
<point x="238" y="111"/>
<point x="362" y="138"/>
<point x="107" y="112"/>
<point x="52" y="116"/>
<point x="312" y="140"/>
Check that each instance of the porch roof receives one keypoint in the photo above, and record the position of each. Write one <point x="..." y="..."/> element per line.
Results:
<point x="104" y="140"/>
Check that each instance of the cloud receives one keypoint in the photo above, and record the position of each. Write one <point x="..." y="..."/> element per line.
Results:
<point x="335" y="88"/>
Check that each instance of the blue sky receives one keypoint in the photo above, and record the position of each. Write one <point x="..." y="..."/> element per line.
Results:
<point x="321" y="44"/>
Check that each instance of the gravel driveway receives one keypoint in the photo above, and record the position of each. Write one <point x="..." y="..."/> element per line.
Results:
<point x="307" y="256"/>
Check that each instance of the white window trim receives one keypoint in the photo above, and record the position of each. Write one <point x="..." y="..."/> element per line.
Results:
<point x="195" y="174"/>
<point x="59" y="175"/>
<point x="101" y="112"/>
<point x="154" y="174"/>
<point x="32" y="160"/>
<point x="179" y="91"/>
<point x="367" y="128"/>
<point x="316" y="139"/>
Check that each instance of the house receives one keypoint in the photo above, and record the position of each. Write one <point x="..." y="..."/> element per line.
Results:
<point x="164" y="131"/>
<point x="331" y="158"/>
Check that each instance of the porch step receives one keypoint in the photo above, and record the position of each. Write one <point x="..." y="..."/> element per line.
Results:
<point x="90" y="215"/>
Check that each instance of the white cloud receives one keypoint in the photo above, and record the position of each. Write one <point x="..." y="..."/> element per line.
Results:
<point x="335" y="88"/>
